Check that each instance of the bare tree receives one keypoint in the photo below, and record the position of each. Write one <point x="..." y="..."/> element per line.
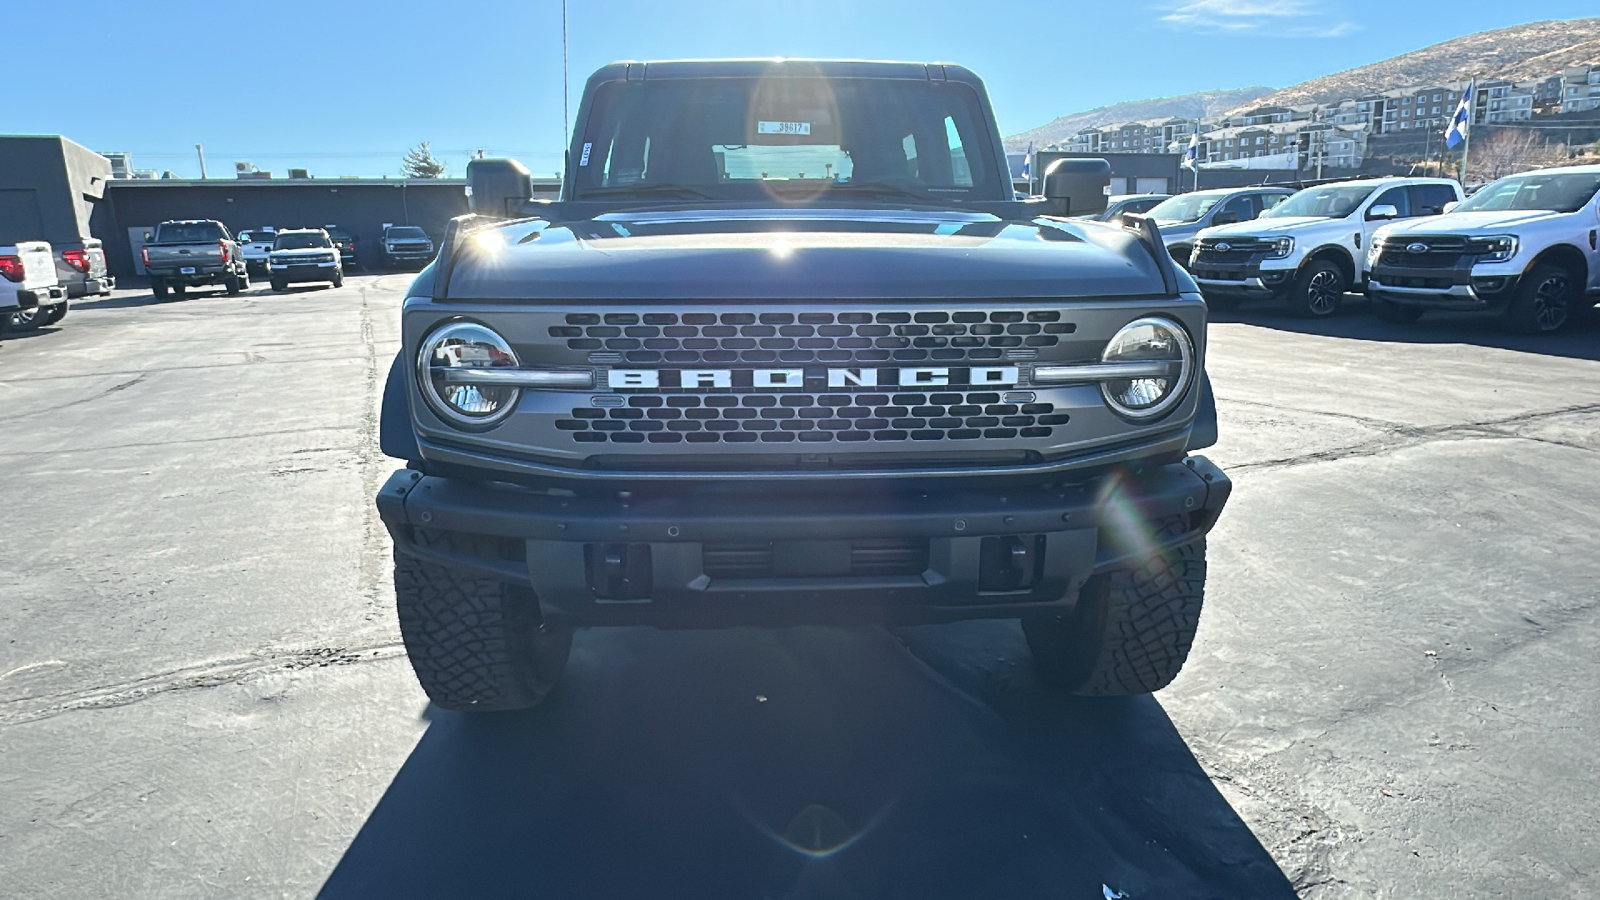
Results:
<point x="419" y="162"/>
<point x="1507" y="152"/>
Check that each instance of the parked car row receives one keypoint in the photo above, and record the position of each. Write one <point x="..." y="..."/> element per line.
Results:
<point x="1527" y="246"/>
<point x="37" y="281"/>
<point x="403" y="246"/>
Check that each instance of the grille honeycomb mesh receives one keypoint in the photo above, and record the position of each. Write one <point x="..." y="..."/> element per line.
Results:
<point x="811" y="418"/>
<point x="691" y="338"/>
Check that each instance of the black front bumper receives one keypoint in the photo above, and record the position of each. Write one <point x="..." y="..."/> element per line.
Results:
<point x="1242" y="280"/>
<point x="1440" y="287"/>
<point x="866" y="556"/>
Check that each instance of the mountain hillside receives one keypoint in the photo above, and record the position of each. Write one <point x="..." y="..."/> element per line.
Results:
<point x="1521" y="52"/>
<point x="1188" y="106"/>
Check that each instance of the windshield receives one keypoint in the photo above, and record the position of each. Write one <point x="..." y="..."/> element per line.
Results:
<point x="407" y="232"/>
<point x="1565" y="192"/>
<point x="1326" y="202"/>
<point x="189" y="233"/>
<point x="1185" y="207"/>
<point x="302" y="241"/>
<point x="748" y="138"/>
<point x="337" y="233"/>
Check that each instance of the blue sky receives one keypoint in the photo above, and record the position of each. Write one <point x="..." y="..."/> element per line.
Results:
<point x="344" y="88"/>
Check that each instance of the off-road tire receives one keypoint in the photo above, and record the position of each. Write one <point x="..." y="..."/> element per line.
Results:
<point x="338" y="279"/>
<point x="27" y="319"/>
<point x="180" y="291"/>
<point x="1397" y="313"/>
<point x="475" y="643"/>
<point x="56" y="314"/>
<point x="1546" y="300"/>
<point x="1132" y="628"/>
<point x="1318" y="290"/>
<point x="233" y="284"/>
<point x="279" y="287"/>
<point x="158" y="287"/>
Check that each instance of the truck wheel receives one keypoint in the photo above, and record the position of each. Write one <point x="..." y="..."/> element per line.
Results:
<point x="28" y="319"/>
<point x="338" y="279"/>
<point x="279" y="287"/>
<point x="179" y="291"/>
<point x="475" y="643"/>
<point x="1132" y="628"/>
<point x="1318" y="290"/>
<point x="1544" y="301"/>
<point x="56" y="313"/>
<point x="158" y="287"/>
<point x="1398" y="313"/>
<point x="232" y="284"/>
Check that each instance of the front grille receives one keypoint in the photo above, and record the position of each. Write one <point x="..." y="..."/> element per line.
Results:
<point x="1443" y="251"/>
<point x="1240" y="250"/>
<point x="410" y="248"/>
<point x="869" y="558"/>
<point x="1412" y="281"/>
<point x="814" y="337"/>
<point x="747" y="418"/>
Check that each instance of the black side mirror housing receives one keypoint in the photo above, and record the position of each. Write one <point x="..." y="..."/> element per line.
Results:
<point x="498" y="187"/>
<point x="1076" y="187"/>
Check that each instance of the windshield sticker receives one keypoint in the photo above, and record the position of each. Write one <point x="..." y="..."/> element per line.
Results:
<point x="584" y="160"/>
<point x="784" y="127"/>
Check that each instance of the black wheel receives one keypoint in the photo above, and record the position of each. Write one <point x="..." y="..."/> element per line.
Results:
<point x="1544" y="302"/>
<point x="338" y="279"/>
<point x="279" y="286"/>
<point x="475" y="643"/>
<point x="1132" y="628"/>
<point x="158" y="287"/>
<point x="1224" y="302"/>
<point x="1318" y="291"/>
<point x="1398" y="313"/>
<point x="232" y="284"/>
<point x="56" y="313"/>
<point x="179" y="291"/>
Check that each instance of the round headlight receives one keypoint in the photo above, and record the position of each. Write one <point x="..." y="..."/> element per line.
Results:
<point x="445" y="356"/>
<point x="1166" y="347"/>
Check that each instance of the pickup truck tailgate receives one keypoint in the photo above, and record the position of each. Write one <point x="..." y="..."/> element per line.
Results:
<point x="166" y="256"/>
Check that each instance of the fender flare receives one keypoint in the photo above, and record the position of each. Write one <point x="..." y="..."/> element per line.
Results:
<point x="1203" y="433"/>
<point x="395" y="435"/>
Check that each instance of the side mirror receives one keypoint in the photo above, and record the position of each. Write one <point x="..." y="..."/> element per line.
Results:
<point x="498" y="187"/>
<point x="1384" y="211"/>
<point x="1451" y="205"/>
<point x="147" y="236"/>
<point x="1224" y="218"/>
<point x="1074" y="187"/>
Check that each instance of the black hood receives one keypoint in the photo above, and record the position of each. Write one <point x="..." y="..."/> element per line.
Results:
<point x="802" y="255"/>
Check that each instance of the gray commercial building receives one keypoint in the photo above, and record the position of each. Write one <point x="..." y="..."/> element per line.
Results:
<point x="55" y="190"/>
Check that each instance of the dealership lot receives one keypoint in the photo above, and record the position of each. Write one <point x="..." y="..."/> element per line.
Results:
<point x="202" y="691"/>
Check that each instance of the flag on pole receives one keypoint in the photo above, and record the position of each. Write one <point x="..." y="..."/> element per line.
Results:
<point x="1461" y="122"/>
<point x="1191" y="156"/>
<point x="1027" y="164"/>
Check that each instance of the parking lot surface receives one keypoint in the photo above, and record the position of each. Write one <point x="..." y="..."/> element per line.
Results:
<point x="202" y="692"/>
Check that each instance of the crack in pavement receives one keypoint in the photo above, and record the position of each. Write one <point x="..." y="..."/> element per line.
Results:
<point x="1400" y="437"/>
<point x="202" y="675"/>
<point x="121" y="386"/>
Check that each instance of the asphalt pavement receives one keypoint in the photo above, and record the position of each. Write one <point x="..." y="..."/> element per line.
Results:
<point x="1394" y="692"/>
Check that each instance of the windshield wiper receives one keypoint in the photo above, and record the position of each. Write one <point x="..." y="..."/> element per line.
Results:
<point x="681" y="191"/>
<point x="880" y="189"/>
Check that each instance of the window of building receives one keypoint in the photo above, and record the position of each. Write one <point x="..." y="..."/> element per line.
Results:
<point x="1436" y="98"/>
<point x="1405" y="112"/>
<point x="1406" y="101"/>
<point x="1230" y="142"/>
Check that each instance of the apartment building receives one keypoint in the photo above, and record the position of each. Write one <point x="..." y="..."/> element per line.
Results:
<point x="1581" y="89"/>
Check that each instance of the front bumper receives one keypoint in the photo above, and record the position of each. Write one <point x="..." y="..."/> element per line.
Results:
<point x="1441" y="288"/>
<point x="1249" y="280"/>
<point x="662" y="559"/>
<point x="311" y="272"/>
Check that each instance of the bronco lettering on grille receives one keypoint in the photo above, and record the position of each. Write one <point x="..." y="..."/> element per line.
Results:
<point x="766" y="379"/>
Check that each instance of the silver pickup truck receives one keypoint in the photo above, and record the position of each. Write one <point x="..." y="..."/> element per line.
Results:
<point x="193" y="252"/>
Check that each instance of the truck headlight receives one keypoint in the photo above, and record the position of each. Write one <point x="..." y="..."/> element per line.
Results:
<point x="1149" y="340"/>
<point x="1281" y="248"/>
<point x="1498" y="248"/>
<point x="466" y="345"/>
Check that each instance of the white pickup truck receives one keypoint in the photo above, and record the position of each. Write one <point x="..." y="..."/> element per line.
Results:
<point x="1527" y="245"/>
<point x="1308" y="250"/>
<point x="30" y="290"/>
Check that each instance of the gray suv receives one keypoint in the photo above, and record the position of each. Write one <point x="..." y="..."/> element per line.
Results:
<point x="1182" y="217"/>
<point x="788" y="349"/>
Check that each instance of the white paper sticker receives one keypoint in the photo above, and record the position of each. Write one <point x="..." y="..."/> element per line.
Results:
<point x="584" y="160"/>
<point x="784" y="127"/>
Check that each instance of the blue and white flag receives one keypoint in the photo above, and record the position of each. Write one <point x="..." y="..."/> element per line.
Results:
<point x="1461" y="122"/>
<point x="1027" y="163"/>
<point x="1191" y="156"/>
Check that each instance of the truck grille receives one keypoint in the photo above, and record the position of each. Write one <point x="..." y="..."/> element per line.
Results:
<point x="814" y="337"/>
<point x="1239" y="250"/>
<point x="812" y="418"/>
<point x="1443" y="251"/>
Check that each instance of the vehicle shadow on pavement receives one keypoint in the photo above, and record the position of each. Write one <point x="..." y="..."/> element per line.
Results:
<point x="1580" y="340"/>
<point x="123" y="301"/>
<point x="805" y="763"/>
